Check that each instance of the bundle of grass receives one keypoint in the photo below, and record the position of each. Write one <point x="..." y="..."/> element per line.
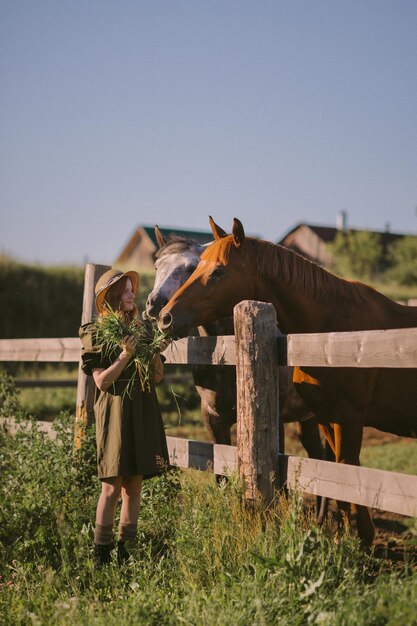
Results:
<point x="112" y="328"/>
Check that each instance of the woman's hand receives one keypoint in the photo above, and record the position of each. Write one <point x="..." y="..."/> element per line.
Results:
<point x="128" y="346"/>
<point x="104" y="378"/>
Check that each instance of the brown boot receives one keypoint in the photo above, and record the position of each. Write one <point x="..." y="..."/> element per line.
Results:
<point x="122" y="554"/>
<point x="102" y="555"/>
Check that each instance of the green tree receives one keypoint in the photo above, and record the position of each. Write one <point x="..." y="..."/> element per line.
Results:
<point x="403" y="259"/>
<point x="356" y="254"/>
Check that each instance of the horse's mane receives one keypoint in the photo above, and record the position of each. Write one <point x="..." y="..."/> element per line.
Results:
<point x="271" y="260"/>
<point x="176" y="243"/>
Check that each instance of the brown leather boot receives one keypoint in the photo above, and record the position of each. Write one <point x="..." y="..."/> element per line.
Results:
<point x="122" y="554"/>
<point x="102" y="555"/>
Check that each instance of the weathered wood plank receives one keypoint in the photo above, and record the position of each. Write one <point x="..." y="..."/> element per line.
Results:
<point x="202" y="351"/>
<point x="64" y="350"/>
<point x="387" y="491"/>
<point x="372" y="348"/>
<point x="202" y="455"/>
<point x="191" y="350"/>
<point x="224" y="459"/>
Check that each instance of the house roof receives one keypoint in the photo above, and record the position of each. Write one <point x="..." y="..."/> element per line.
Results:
<point x="328" y="233"/>
<point x="149" y="233"/>
<point x="201" y="236"/>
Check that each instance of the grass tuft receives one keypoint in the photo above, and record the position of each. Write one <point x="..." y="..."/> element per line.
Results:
<point x="111" y="328"/>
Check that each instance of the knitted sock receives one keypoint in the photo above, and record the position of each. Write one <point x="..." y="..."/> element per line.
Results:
<point x="103" y="535"/>
<point x="127" y="532"/>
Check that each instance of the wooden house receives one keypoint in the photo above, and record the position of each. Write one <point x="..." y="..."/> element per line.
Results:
<point x="311" y="241"/>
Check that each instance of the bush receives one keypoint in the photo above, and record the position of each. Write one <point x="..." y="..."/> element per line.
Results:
<point x="403" y="257"/>
<point x="356" y="254"/>
<point x="39" y="301"/>
<point x="46" y="491"/>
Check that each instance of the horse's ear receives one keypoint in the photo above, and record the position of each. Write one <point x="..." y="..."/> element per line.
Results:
<point x="159" y="237"/>
<point x="238" y="232"/>
<point x="218" y="232"/>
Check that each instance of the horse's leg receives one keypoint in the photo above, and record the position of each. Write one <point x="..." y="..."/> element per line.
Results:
<point x="333" y="439"/>
<point x="324" y="504"/>
<point x="364" y="523"/>
<point x="217" y="424"/>
<point x="309" y="436"/>
<point x="348" y="441"/>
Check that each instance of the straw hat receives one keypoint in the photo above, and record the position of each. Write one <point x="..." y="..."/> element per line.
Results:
<point x="108" y="279"/>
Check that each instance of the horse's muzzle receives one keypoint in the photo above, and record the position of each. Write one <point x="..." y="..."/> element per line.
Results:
<point x="155" y="305"/>
<point x="165" y="323"/>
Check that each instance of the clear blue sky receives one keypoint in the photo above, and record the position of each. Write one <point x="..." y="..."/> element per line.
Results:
<point x="118" y="113"/>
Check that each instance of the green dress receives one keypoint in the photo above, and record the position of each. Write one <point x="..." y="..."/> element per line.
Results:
<point x="129" y="430"/>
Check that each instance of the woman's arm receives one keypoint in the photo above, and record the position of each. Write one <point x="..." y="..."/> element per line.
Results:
<point x="158" y="362"/>
<point x="158" y="369"/>
<point x="104" y="378"/>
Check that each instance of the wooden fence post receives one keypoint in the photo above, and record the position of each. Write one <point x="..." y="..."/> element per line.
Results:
<point x="257" y="398"/>
<point x="84" y="413"/>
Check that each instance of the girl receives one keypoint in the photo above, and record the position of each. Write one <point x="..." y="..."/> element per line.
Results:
<point x="131" y="443"/>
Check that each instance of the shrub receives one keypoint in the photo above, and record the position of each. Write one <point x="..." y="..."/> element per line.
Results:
<point x="356" y="254"/>
<point x="403" y="257"/>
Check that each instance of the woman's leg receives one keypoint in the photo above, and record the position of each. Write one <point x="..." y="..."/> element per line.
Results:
<point x="109" y="497"/>
<point x="106" y="509"/>
<point x="131" y="489"/>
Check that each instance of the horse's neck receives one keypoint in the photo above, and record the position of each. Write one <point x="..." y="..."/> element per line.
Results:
<point x="223" y="326"/>
<point x="296" y="313"/>
<point x="298" y="310"/>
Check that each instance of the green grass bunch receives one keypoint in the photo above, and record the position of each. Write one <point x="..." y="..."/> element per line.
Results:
<point x="112" y="328"/>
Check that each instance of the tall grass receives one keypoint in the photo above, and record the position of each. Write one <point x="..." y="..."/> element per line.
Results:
<point x="200" y="558"/>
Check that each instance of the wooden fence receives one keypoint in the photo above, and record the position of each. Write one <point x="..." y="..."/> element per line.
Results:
<point x="256" y="350"/>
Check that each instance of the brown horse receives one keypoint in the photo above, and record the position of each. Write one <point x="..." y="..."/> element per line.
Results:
<point x="308" y="299"/>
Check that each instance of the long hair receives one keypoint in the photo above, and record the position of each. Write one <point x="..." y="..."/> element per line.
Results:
<point x="114" y="300"/>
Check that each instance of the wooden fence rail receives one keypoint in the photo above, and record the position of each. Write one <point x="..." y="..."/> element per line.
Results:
<point x="371" y="348"/>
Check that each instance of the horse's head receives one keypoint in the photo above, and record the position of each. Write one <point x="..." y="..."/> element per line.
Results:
<point x="176" y="260"/>
<point x="221" y="280"/>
